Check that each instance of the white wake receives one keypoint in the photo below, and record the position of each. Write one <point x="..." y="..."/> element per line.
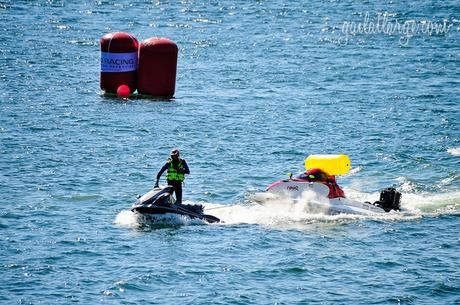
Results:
<point x="265" y="210"/>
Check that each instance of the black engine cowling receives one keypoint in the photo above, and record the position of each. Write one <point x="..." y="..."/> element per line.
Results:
<point x="389" y="199"/>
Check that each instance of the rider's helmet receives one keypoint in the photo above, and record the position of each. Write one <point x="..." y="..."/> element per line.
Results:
<point x="175" y="153"/>
<point x="316" y="174"/>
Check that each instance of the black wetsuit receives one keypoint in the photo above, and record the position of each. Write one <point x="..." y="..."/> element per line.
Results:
<point x="177" y="185"/>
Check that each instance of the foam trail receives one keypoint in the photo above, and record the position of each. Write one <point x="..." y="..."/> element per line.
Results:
<point x="405" y="185"/>
<point x="289" y="213"/>
<point x="454" y="151"/>
<point x="449" y="180"/>
<point x="416" y="203"/>
<point x="279" y="212"/>
<point x="432" y="203"/>
<point x="271" y="211"/>
<point x="355" y="170"/>
<point x="127" y="218"/>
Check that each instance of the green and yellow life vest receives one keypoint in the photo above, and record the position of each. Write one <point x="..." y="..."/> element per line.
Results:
<point x="173" y="175"/>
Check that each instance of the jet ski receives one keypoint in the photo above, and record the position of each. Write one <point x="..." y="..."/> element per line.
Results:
<point x="161" y="201"/>
<point x="325" y="195"/>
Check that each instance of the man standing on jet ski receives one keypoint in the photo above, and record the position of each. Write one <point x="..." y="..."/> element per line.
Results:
<point x="177" y="168"/>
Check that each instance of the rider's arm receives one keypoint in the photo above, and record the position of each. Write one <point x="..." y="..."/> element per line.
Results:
<point x="162" y="170"/>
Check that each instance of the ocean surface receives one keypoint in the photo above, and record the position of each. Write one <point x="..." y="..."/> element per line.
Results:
<point x="260" y="86"/>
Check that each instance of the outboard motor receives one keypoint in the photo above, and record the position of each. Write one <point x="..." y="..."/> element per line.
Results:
<point x="389" y="199"/>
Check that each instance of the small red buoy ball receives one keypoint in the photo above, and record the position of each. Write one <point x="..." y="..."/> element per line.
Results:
<point x="123" y="91"/>
<point x="119" y="54"/>
<point x="157" y="67"/>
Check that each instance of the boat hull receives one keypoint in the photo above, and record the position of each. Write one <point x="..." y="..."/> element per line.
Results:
<point x="316" y="195"/>
<point x="160" y="201"/>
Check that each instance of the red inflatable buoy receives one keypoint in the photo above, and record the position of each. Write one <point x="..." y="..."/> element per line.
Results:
<point x="157" y="67"/>
<point x="123" y="91"/>
<point x="119" y="54"/>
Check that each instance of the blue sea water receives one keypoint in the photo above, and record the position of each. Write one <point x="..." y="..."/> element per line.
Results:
<point x="260" y="86"/>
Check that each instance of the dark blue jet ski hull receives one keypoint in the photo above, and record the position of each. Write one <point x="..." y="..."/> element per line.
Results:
<point x="160" y="201"/>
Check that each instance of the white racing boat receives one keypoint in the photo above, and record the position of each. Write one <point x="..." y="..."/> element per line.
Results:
<point x="318" y="188"/>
